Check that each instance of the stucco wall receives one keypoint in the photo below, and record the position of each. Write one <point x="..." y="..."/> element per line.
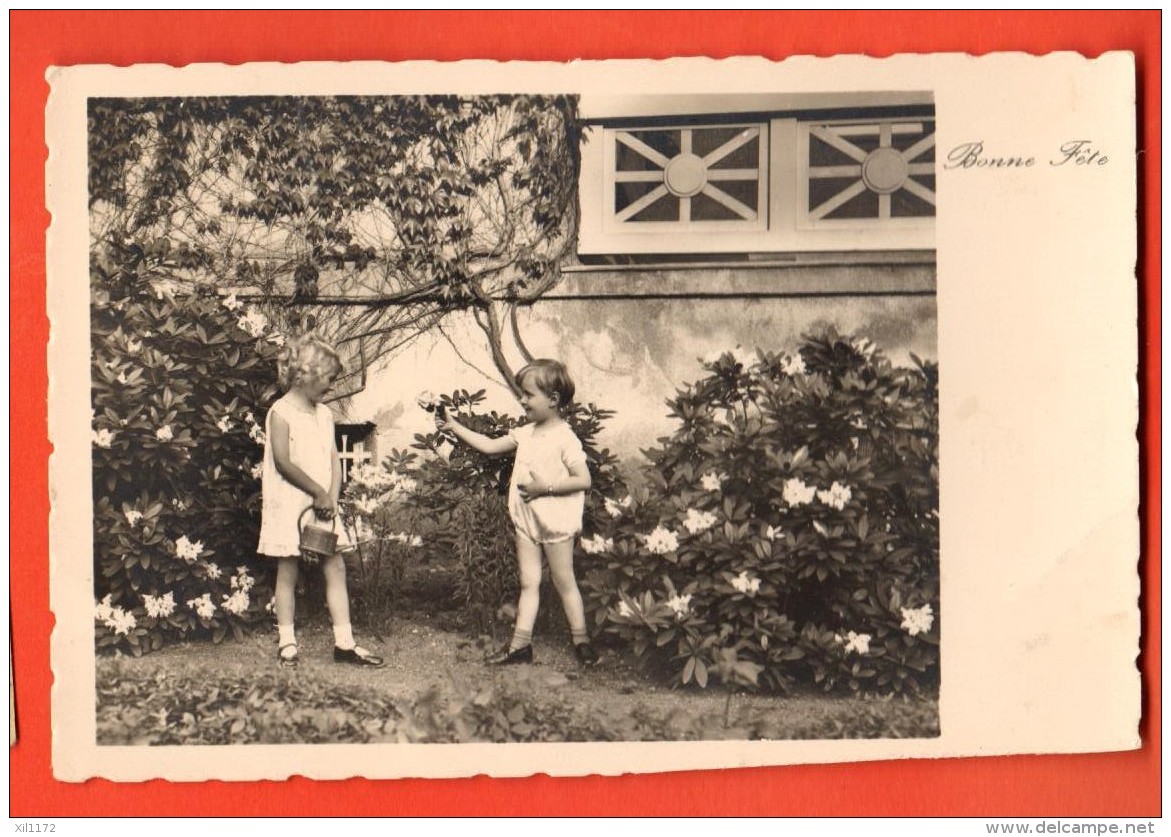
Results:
<point x="630" y="353"/>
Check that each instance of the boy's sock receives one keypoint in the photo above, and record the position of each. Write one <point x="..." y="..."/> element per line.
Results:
<point x="580" y="636"/>
<point x="520" y="639"/>
<point x="343" y="636"/>
<point x="285" y="635"/>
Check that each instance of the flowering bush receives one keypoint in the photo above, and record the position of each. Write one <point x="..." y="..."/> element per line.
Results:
<point x="790" y="522"/>
<point x="465" y="495"/>
<point x="178" y="384"/>
<point x="385" y="529"/>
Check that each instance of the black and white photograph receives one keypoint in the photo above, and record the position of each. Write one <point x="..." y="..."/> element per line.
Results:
<point x="582" y="415"/>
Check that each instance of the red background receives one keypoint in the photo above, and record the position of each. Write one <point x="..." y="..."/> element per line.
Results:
<point x="1115" y="784"/>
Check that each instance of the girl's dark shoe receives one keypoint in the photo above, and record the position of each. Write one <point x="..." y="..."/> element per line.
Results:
<point x="288" y="660"/>
<point x="585" y="653"/>
<point x="504" y="657"/>
<point x="356" y="656"/>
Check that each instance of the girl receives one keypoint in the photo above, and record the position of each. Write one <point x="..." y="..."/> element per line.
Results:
<point x="301" y="470"/>
<point x="546" y="498"/>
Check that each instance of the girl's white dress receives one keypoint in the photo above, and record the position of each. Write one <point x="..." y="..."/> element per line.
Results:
<point x="547" y="453"/>
<point x="312" y="449"/>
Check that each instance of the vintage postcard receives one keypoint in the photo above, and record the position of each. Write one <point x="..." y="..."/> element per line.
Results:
<point x="434" y="420"/>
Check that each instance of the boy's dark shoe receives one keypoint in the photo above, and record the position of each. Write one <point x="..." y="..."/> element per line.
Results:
<point x="505" y="657"/>
<point x="357" y="656"/>
<point x="585" y="653"/>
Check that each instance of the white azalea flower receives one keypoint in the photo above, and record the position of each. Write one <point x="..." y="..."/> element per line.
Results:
<point x="203" y="606"/>
<point x="837" y="496"/>
<point x="165" y="433"/>
<point x="773" y="532"/>
<point x="857" y="643"/>
<point x="712" y="481"/>
<point x="797" y="493"/>
<point x="597" y="544"/>
<point x="133" y="516"/>
<point x="256" y="434"/>
<point x="698" y="521"/>
<point x="103" y="610"/>
<point x="159" y="607"/>
<point x="102" y="438"/>
<point x="213" y="570"/>
<point x="917" y="620"/>
<point x="746" y="584"/>
<point x="232" y="303"/>
<point x="236" y="603"/>
<point x="253" y="322"/>
<point x="257" y="471"/>
<point x="615" y="508"/>
<point x="188" y="550"/>
<point x="680" y="605"/>
<point x="224" y="424"/>
<point x="661" y="541"/>
<point x="794" y="365"/>
<point x="123" y="622"/>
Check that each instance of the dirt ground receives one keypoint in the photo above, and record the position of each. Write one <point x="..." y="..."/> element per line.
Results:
<point x="419" y="656"/>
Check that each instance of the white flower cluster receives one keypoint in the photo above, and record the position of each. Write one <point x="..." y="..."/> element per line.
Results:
<point x="236" y="603"/>
<point x="225" y="423"/>
<point x="615" y="508"/>
<point x="120" y="621"/>
<point x="699" y="521"/>
<point x="257" y="470"/>
<point x="253" y="322"/>
<point x="836" y="497"/>
<point x="855" y="643"/>
<point x="712" y="481"/>
<point x="133" y="516"/>
<point x="164" y="287"/>
<point x="159" y="607"/>
<point x="203" y="606"/>
<point x="213" y="570"/>
<point x="744" y="583"/>
<point x="597" y="544"/>
<point x="232" y="303"/>
<point x="102" y="438"/>
<point x="427" y="400"/>
<point x="661" y="541"/>
<point x="255" y="431"/>
<point x="165" y="433"/>
<point x="680" y="605"/>
<point x="793" y="365"/>
<point x="241" y="580"/>
<point x="797" y="493"/>
<point x="405" y="539"/>
<point x="188" y="550"/>
<point x="918" y="620"/>
<point x="773" y="532"/>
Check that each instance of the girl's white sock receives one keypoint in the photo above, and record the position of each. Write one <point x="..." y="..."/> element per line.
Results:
<point x="285" y="635"/>
<point x="343" y="636"/>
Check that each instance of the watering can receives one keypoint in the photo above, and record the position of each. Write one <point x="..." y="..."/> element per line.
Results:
<point x="317" y="542"/>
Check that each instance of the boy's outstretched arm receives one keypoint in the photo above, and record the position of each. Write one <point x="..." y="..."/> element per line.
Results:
<point x="484" y="444"/>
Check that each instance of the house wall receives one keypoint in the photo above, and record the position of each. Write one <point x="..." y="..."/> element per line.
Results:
<point x="631" y="337"/>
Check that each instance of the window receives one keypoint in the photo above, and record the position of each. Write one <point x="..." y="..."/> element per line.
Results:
<point x="861" y="172"/>
<point x="355" y="446"/>
<point x="719" y="184"/>
<point x="688" y="177"/>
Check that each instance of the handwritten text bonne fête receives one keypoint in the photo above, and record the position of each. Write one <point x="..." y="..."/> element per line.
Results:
<point x="1072" y="154"/>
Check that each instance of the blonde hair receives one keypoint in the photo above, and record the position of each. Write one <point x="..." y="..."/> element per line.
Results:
<point x="306" y="357"/>
<point x="551" y="378"/>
